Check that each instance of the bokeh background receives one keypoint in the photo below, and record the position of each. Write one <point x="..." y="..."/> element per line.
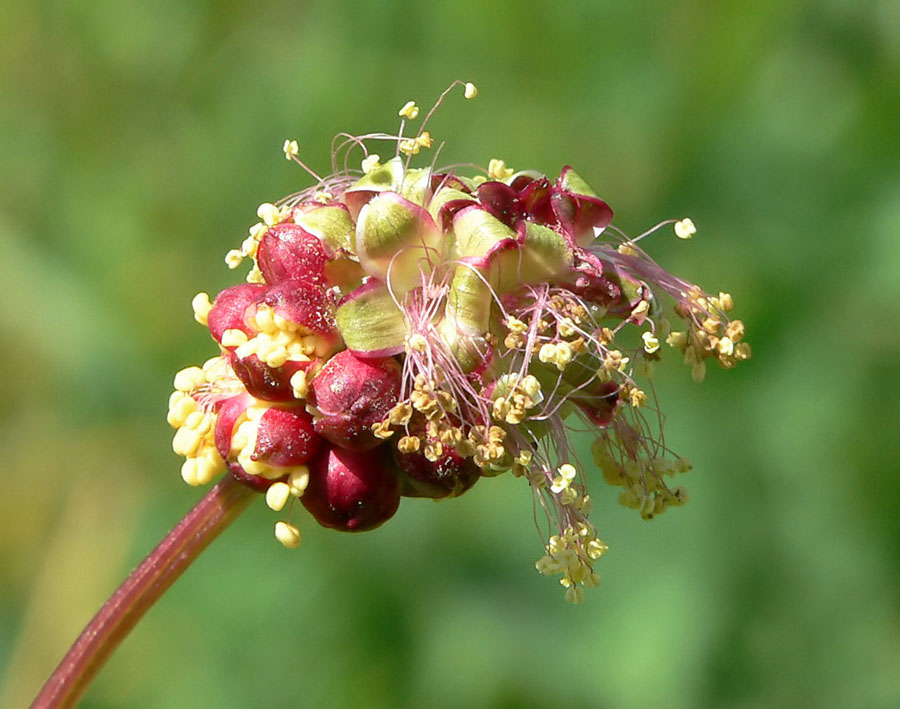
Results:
<point x="136" y="140"/>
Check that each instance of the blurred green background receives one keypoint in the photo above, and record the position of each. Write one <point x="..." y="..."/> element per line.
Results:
<point x="136" y="140"/>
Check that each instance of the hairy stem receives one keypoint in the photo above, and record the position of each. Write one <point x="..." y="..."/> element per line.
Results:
<point x="141" y="590"/>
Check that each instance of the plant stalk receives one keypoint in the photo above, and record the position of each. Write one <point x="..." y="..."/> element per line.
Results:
<point x="143" y="587"/>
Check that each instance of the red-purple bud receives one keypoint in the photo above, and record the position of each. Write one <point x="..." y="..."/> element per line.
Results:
<point x="285" y="437"/>
<point x="448" y="476"/>
<point x="230" y="307"/>
<point x="287" y="251"/>
<point x="352" y="394"/>
<point x="351" y="491"/>
<point x="265" y="382"/>
<point x="229" y="412"/>
<point x="304" y="303"/>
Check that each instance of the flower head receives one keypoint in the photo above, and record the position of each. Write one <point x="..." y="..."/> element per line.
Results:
<point x="406" y="331"/>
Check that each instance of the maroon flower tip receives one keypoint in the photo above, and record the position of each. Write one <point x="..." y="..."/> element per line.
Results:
<point x="351" y="491"/>
<point x="352" y="394"/>
<point x="285" y="437"/>
<point x="287" y="251"/>
<point x="230" y="307"/>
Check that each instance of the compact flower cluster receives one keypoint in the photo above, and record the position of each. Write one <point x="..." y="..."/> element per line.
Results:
<point x="405" y="332"/>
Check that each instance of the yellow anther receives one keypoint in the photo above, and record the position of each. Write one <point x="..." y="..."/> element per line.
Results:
<point x="471" y="91"/>
<point x="516" y="325"/>
<point x="409" y="147"/>
<point x="287" y="534"/>
<point x="726" y="302"/>
<point x="547" y="353"/>
<point x="416" y="343"/>
<point x="640" y="309"/>
<point x="409" y="110"/>
<point x="497" y="170"/>
<point x="408" y="444"/>
<point x="637" y="397"/>
<point x="257" y="231"/>
<point x="291" y="148"/>
<point x="234" y="338"/>
<point x="277" y="495"/>
<point x="627" y="249"/>
<point x="370" y="163"/>
<point x="433" y="450"/>
<point x="651" y="343"/>
<point x="189" y="472"/>
<point x="269" y="213"/>
<point x="297" y="480"/>
<point x="206" y="469"/>
<point x="685" y="229"/>
<point x="201" y="307"/>
<point x="189" y="378"/>
<point x="299" y="384"/>
<point x="735" y="330"/>
<point x="234" y="258"/>
<point x="401" y="414"/>
<point x="186" y="442"/>
<point x="254" y="275"/>
<point x="531" y="385"/>
<point x="566" y="327"/>
<point x="425" y="139"/>
<point x="563" y="355"/>
<point x="726" y="346"/>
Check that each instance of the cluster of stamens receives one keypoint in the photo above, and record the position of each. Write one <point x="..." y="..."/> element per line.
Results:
<point x="406" y="332"/>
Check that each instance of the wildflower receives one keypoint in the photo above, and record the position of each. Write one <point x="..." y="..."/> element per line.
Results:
<point x="406" y="331"/>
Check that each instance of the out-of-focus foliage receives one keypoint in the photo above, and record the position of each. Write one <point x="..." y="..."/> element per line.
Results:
<point x="136" y="140"/>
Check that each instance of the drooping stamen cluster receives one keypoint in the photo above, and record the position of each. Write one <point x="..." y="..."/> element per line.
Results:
<point x="407" y="331"/>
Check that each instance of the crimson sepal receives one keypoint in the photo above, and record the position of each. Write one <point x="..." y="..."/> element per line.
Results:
<point x="351" y="491"/>
<point x="265" y="382"/>
<point x="352" y="394"/>
<point x="287" y="251"/>
<point x="285" y="437"/>
<point x="448" y="476"/>
<point x="230" y="307"/>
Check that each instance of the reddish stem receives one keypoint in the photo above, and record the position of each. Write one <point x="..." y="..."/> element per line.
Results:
<point x="141" y="590"/>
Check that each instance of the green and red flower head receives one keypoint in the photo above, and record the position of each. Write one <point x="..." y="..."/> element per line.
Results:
<point x="407" y="331"/>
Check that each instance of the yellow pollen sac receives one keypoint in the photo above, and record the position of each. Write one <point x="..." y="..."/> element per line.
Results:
<point x="287" y="534"/>
<point x="234" y="338"/>
<point x="409" y="147"/>
<point x="234" y="258"/>
<point x="408" y="444"/>
<point x="370" y="163"/>
<point x="277" y="496"/>
<point x="201" y="307"/>
<point x="299" y="384"/>
<point x="726" y="302"/>
<point x="291" y="148"/>
<point x="189" y="379"/>
<point x="685" y="229"/>
<point x="547" y="353"/>
<point x="409" y="110"/>
<point x="416" y="343"/>
<point x="651" y="343"/>
<point x="497" y="170"/>
<point x="269" y="213"/>
<point x="471" y="91"/>
<point x="297" y="480"/>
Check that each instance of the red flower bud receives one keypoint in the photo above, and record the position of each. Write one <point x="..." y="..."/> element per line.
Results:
<point x="230" y="307"/>
<point x="351" y="491"/>
<point x="352" y="394"/>
<point x="287" y="251"/>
